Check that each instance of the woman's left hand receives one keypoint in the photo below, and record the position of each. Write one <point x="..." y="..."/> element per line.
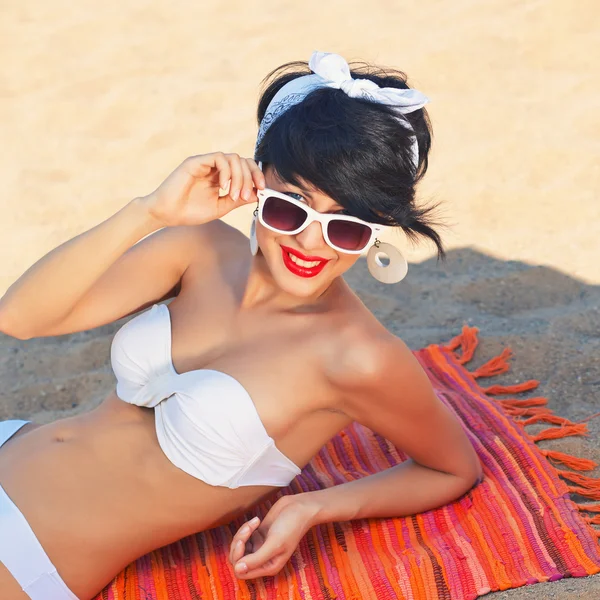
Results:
<point x="271" y="543"/>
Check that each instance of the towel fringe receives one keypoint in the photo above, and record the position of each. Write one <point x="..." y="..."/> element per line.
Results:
<point x="589" y="483"/>
<point x="467" y="341"/>
<point x="585" y="492"/>
<point x="589" y="507"/>
<point x="578" y="464"/>
<point x="495" y="366"/>
<point x="526" y="403"/>
<point x="527" y="412"/>
<point x="547" y="418"/>
<point x="555" y="433"/>
<point x="535" y="411"/>
<point x="499" y="390"/>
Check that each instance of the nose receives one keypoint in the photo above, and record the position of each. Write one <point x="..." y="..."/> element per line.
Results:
<point x="311" y="238"/>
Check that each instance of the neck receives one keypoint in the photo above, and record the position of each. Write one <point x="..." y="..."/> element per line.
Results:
<point x="262" y="291"/>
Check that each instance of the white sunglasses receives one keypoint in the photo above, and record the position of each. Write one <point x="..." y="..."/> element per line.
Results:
<point x="284" y="214"/>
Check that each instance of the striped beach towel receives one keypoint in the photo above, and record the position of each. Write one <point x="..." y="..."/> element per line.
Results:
<point x="520" y="525"/>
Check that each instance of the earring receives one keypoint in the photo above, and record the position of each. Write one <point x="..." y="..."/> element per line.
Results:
<point x="386" y="263"/>
<point x="253" y="240"/>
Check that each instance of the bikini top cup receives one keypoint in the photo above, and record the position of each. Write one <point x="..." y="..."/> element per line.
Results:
<point x="206" y="422"/>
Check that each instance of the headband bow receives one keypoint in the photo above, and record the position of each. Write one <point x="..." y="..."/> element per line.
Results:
<point x="332" y="70"/>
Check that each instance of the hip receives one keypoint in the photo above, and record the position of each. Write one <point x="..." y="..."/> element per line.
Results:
<point x="25" y="569"/>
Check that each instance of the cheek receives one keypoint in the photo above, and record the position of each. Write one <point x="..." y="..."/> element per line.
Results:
<point x="345" y="261"/>
<point x="265" y="236"/>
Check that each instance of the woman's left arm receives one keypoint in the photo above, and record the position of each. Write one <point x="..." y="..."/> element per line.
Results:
<point x="391" y="395"/>
<point x="398" y="402"/>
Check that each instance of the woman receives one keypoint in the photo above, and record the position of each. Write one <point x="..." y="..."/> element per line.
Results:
<point x="262" y="356"/>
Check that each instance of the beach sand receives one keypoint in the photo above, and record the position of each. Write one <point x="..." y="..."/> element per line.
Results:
<point x="100" y="103"/>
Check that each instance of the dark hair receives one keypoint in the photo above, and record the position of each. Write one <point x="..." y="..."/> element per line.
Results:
<point x="353" y="150"/>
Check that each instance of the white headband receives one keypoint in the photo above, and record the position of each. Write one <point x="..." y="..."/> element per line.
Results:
<point x="331" y="70"/>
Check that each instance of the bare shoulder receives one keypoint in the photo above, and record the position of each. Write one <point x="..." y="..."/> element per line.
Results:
<point x="217" y="233"/>
<point x="224" y="233"/>
<point x="215" y="242"/>
<point x="384" y="387"/>
<point x="363" y="350"/>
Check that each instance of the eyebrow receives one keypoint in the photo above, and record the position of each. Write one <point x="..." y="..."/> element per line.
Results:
<point x="332" y="211"/>
<point x="304" y="190"/>
<point x="283" y="182"/>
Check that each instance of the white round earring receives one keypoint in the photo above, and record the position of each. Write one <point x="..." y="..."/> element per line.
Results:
<point x="253" y="240"/>
<point x="386" y="263"/>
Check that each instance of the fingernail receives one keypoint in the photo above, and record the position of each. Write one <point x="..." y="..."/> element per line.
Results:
<point x="241" y="567"/>
<point x="254" y="521"/>
<point x="235" y="195"/>
<point x="246" y="194"/>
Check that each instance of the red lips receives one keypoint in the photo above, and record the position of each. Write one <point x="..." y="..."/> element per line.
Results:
<point x="299" y="270"/>
<point x="303" y="256"/>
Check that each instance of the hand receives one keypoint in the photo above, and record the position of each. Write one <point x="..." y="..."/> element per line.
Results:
<point x="271" y="543"/>
<point x="191" y="194"/>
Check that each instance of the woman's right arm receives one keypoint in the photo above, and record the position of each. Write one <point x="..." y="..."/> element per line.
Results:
<point x="103" y="275"/>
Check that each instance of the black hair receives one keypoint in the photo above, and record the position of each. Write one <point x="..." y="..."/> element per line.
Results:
<point x="356" y="151"/>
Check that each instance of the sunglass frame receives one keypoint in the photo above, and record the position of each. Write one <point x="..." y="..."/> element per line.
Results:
<point x="314" y="215"/>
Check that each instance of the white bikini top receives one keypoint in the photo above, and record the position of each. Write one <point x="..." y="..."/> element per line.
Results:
<point x="206" y="422"/>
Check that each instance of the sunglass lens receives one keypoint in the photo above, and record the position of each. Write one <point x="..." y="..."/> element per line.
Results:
<point x="348" y="235"/>
<point x="283" y="215"/>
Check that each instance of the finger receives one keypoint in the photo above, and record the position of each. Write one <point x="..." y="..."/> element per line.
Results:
<point x="248" y="184"/>
<point x="237" y="176"/>
<point x="224" y="190"/>
<point x="270" y="550"/>
<point x="238" y="543"/>
<point x="238" y="551"/>
<point x="198" y="166"/>
<point x="269" y="568"/>
<point x="221" y="164"/>
<point x="241" y="537"/>
<point x="257" y="175"/>
<point x="202" y="164"/>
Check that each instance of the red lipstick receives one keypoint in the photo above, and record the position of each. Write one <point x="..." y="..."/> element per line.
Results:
<point x="298" y="269"/>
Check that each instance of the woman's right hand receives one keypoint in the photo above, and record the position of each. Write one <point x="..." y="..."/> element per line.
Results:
<point x="193" y="193"/>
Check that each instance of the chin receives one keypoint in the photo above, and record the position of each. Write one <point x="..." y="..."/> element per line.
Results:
<point x="302" y="287"/>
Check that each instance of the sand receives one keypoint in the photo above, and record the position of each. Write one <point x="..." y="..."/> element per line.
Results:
<point x="100" y="102"/>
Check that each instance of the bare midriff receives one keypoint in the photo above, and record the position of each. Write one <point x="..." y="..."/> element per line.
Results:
<point x="98" y="492"/>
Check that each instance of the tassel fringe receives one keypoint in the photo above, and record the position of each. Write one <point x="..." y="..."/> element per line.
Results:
<point x="467" y="341"/>
<point x="555" y="433"/>
<point x="589" y="507"/>
<point x="547" y="418"/>
<point x="495" y="366"/>
<point x="530" y="411"/>
<point x="578" y="464"/>
<point x="498" y="390"/>
<point x="524" y="403"/>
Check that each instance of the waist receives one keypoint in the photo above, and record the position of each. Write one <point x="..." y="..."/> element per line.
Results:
<point x="109" y="461"/>
<point x="108" y="491"/>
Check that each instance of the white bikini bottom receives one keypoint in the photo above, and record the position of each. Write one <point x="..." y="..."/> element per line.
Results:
<point x="20" y="551"/>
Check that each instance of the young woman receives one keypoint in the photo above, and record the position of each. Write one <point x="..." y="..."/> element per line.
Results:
<point x="264" y="354"/>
